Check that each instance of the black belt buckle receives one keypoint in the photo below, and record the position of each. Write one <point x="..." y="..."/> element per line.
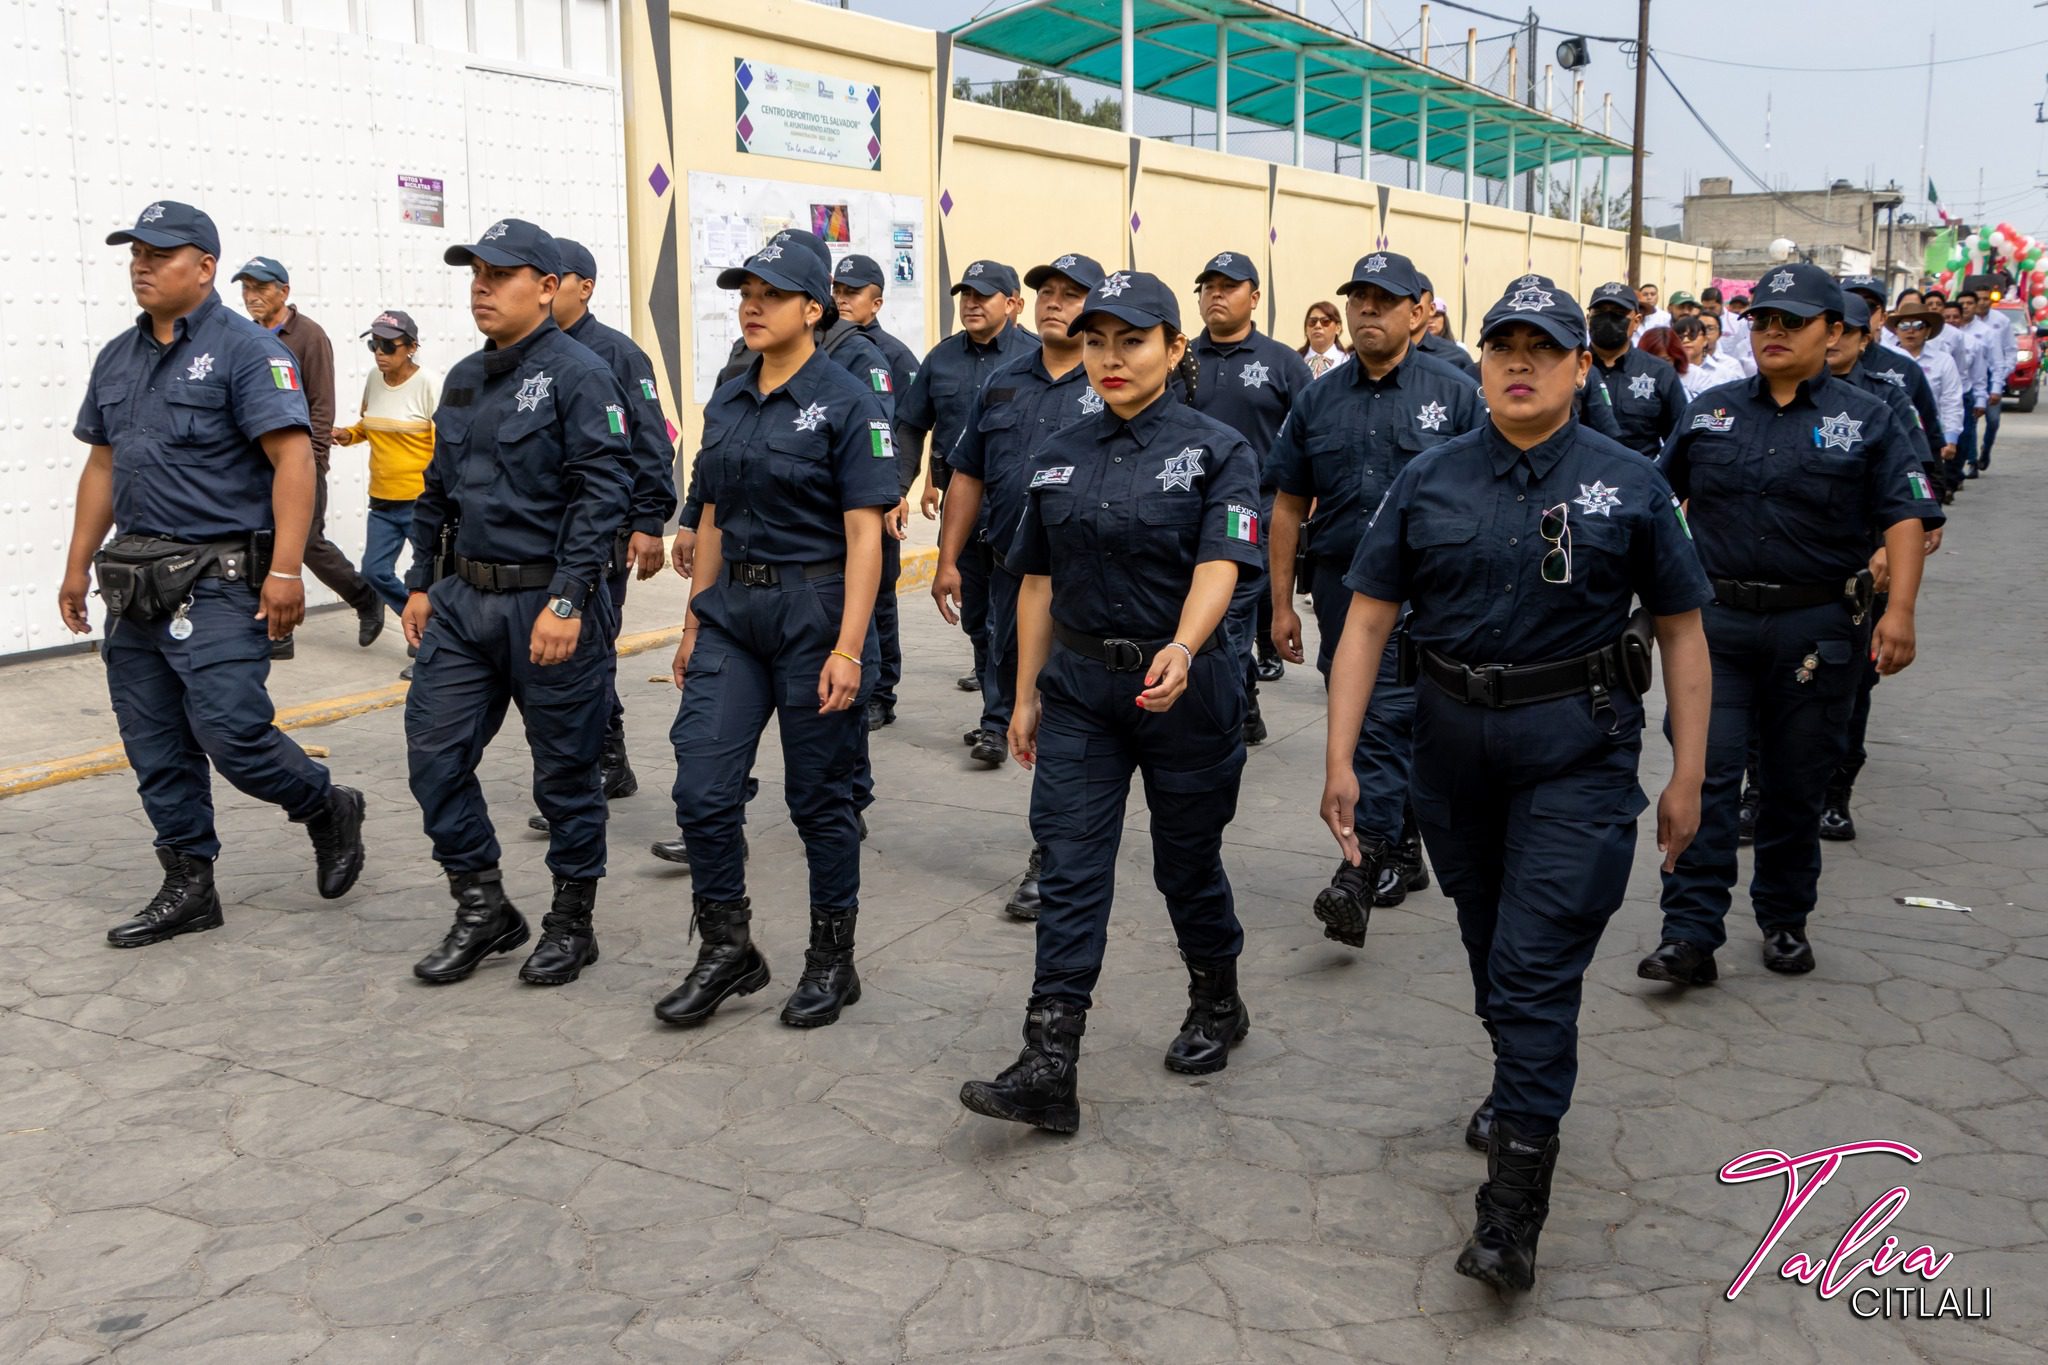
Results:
<point x="1122" y="656"/>
<point x="755" y="575"/>
<point x="1745" y="596"/>
<point x="1482" y="685"/>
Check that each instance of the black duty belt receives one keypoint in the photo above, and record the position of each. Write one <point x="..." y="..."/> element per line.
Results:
<point x="1121" y="655"/>
<point x="503" y="577"/>
<point x="1500" y="685"/>
<point x="773" y="575"/>
<point x="1763" y="597"/>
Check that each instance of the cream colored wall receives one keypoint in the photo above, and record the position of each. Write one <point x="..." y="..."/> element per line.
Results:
<point x="1322" y="225"/>
<point x="1192" y="204"/>
<point x="1027" y="190"/>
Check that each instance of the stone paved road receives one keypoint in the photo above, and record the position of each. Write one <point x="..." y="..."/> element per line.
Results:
<point x="269" y="1144"/>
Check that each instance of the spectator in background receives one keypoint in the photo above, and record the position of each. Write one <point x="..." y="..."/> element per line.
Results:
<point x="1438" y="323"/>
<point x="1709" y="366"/>
<point x="1653" y="316"/>
<point x="397" y="420"/>
<point x="1325" y="349"/>
<point x="1663" y="343"/>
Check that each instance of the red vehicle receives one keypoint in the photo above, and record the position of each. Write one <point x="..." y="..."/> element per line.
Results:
<point x="2023" y="386"/>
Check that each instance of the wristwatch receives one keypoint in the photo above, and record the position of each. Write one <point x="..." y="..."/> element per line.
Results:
<point x="563" y="608"/>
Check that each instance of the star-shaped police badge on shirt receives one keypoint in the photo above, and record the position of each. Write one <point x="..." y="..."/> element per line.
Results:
<point x="1255" y="375"/>
<point x="1431" y="416"/>
<point x="1091" y="401"/>
<point x="1840" y="432"/>
<point x="1530" y="299"/>
<point x="1596" y="498"/>
<point x="1181" y="470"/>
<point x="531" y="390"/>
<point x="1643" y="386"/>
<point x="1781" y="282"/>
<point x="201" y="366"/>
<point x="1114" y="285"/>
<point x="811" y="418"/>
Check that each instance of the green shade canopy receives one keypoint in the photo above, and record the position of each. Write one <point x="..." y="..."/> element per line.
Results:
<point x="1175" y="59"/>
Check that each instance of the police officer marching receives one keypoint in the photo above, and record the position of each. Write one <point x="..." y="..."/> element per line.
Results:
<point x="202" y="465"/>
<point x="1519" y="548"/>
<point x="1643" y="389"/>
<point x="796" y="470"/>
<point x="1437" y="348"/>
<point x="1341" y="450"/>
<point x="1791" y="477"/>
<point x="512" y="543"/>
<point x="1137" y="523"/>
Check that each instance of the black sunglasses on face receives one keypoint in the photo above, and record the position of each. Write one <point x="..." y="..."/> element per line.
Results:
<point x="383" y="347"/>
<point x="1763" y="321"/>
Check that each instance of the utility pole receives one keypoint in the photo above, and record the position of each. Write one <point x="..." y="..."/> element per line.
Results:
<point x="1635" y="187"/>
<point x="1529" y="177"/>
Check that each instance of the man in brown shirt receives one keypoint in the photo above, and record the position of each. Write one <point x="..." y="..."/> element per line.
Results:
<point x="266" y="291"/>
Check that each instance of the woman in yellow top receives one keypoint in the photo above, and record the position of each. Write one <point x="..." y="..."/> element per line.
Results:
<point x="398" y="421"/>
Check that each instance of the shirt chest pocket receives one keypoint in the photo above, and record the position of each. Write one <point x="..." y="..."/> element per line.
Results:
<point x="529" y="452"/>
<point x="1333" y="463"/>
<point x="1168" y="523"/>
<point x="199" y="422"/>
<point x="1441" y="550"/>
<point x="1716" y="467"/>
<point x="796" y="461"/>
<point x="1830" y="483"/>
<point x="998" y="429"/>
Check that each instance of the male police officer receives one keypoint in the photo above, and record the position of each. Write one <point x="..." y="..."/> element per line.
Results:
<point x="1435" y="347"/>
<point x="200" y="457"/>
<point x="529" y="486"/>
<point x="1643" y="389"/>
<point x="1880" y="359"/>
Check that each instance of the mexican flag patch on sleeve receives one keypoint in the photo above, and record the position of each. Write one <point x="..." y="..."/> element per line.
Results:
<point x="283" y="373"/>
<point x="615" y="419"/>
<point x="647" y="389"/>
<point x="881" y="444"/>
<point x="880" y="380"/>
<point x="1917" y="482"/>
<point x="1241" y="523"/>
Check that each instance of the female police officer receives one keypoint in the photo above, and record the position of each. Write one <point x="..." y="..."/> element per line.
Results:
<point x="1138" y="522"/>
<point x="796" y="468"/>
<point x="1519" y="546"/>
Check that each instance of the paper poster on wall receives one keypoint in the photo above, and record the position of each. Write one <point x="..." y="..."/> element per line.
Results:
<point x="783" y="111"/>
<point x="730" y="218"/>
<point x="421" y="200"/>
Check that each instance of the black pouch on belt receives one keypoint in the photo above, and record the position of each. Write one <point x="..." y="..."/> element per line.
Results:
<point x="1407" y="658"/>
<point x="1301" y="554"/>
<point x="146" y="578"/>
<point x="620" y="559"/>
<point x="1634" y="648"/>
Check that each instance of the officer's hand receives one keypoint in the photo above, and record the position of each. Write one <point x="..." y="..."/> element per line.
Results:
<point x="71" y="602"/>
<point x="1933" y="541"/>
<point x="896" y="521"/>
<point x="684" y="648"/>
<point x="1165" y="680"/>
<point x="1287" y="631"/>
<point x="1948" y="452"/>
<point x="1881" y="570"/>
<point x="838" y="683"/>
<point x="1978" y="413"/>
<point x="1340" y="806"/>
<point x="1024" y="732"/>
<point x="341" y="436"/>
<point x="946" y="592"/>
<point x="646" y="552"/>
<point x="1892" y="644"/>
<point x="283" y="604"/>
<point x="683" y="554"/>
<point x="929" y="503"/>
<point x="419" y="609"/>
<point x="554" y="639"/>
<point x="1678" y="820"/>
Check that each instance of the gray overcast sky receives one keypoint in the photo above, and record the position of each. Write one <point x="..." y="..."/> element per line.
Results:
<point x="1823" y="125"/>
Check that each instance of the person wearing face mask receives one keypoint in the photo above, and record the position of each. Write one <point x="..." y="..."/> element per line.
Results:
<point x="1643" y="389"/>
<point x="1138" y="522"/>
<point x="1520" y="549"/>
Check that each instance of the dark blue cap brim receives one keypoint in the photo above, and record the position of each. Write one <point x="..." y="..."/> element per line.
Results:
<point x="1128" y="312"/>
<point x="988" y="289"/>
<point x="1242" y="276"/>
<point x="732" y="277"/>
<point x="1558" y="330"/>
<point x="1798" y="308"/>
<point x="1039" y="274"/>
<point x="157" y="238"/>
<point x="260" y="276"/>
<point x="489" y="255"/>
<point x="1350" y="287"/>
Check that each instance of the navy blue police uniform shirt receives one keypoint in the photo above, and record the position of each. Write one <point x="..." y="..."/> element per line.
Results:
<point x="1350" y="436"/>
<point x="185" y="422"/>
<point x="1794" y="495"/>
<point x="1019" y="405"/>
<point x="1646" y="396"/>
<point x="1448" y="353"/>
<point x="783" y="468"/>
<point x="1119" y="514"/>
<point x="531" y="454"/>
<point x="1904" y="419"/>
<point x="1250" y="385"/>
<point x="946" y="383"/>
<point x="1459" y="539"/>
<point x="1904" y="373"/>
<point x="903" y="366"/>
<point x="653" y="471"/>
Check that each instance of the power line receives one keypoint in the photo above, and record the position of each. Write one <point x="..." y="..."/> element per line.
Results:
<point x="1846" y="70"/>
<point x="1720" y="142"/>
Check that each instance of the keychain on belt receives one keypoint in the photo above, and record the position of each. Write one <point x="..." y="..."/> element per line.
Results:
<point x="1804" y="673"/>
<point x="180" y="627"/>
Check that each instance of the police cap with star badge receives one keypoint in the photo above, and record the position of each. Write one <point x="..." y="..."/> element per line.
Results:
<point x="988" y="279"/>
<point x="1137" y="298"/>
<point x="1801" y="289"/>
<point x="1231" y="265"/>
<point x="1085" y="271"/>
<point x="168" y="223"/>
<point x="792" y="260"/>
<point x="1866" y="285"/>
<point x="1615" y="294"/>
<point x="1538" y="301"/>
<point x="508" y="242"/>
<point x="857" y="272"/>
<point x="1391" y="271"/>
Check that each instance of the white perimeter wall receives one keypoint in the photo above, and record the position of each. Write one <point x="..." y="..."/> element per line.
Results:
<point x="292" y="135"/>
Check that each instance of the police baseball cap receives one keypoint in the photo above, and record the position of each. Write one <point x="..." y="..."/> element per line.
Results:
<point x="1423" y="280"/>
<point x="1855" y="312"/>
<point x="1802" y="289"/>
<point x="1618" y="295"/>
<point x="1085" y="271"/>
<point x="1391" y="271"/>
<point x="1137" y="298"/>
<point x="1538" y="301"/>
<point x="1231" y="265"/>
<point x="263" y="270"/>
<point x="988" y="278"/>
<point x="168" y="223"/>
<point x="1865" y="285"/>
<point x="394" y="325"/>
<point x="858" y="272"/>
<point x="511" y="241"/>
<point x="576" y="258"/>
<point x="793" y="260"/>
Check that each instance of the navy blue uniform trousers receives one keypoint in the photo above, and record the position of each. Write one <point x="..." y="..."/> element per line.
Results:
<point x="181" y="703"/>
<point x="999" y="679"/>
<point x="474" y="661"/>
<point x="615" y="724"/>
<point x="1801" y="732"/>
<point x="976" y="564"/>
<point x="887" y="627"/>
<point x="1383" y="759"/>
<point x="759" y="652"/>
<point x="1091" y="738"/>
<point x="1529" y="815"/>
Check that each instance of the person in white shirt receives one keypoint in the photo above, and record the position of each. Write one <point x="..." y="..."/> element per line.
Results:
<point x="1325" y="349"/>
<point x="1708" y="368"/>
<point x="1915" y="326"/>
<point x="1980" y="359"/>
<point x="1734" y="327"/>
<point x="1653" y="316"/>
<point x="1995" y="331"/>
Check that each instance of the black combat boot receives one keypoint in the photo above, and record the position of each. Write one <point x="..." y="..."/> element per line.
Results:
<point x="1039" y="1088"/>
<point x="1836" y="825"/>
<point x="1216" y="1020"/>
<point x="1345" y="904"/>
<point x="1024" y="902"/>
<point x="1787" y="951"/>
<point x="677" y="850"/>
<point x="185" y="904"/>
<point x="337" y="834"/>
<point x="829" y="983"/>
<point x="1479" y="1128"/>
<point x="1404" y="870"/>
<point x="1680" y="963"/>
<point x="1254" y="723"/>
<point x="567" y="942"/>
<point x="619" y="780"/>
<point x="485" y="923"/>
<point x="1512" y="1205"/>
<point x="728" y="963"/>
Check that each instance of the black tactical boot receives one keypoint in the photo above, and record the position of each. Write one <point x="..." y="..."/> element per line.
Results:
<point x="728" y="963"/>
<point x="1254" y="723"/>
<point x="1346" y="903"/>
<point x="369" y="622"/>
<point x="1024" y="900"/>
<point x="990" y="750"/>
<point x="1512" y="1205"/>
<point x="485" y="923"/>
<point x="677" y="850"/>
<point x="1039" y="1087"/>
<point x="1787" y="951"/>
<point x="337" y="834"/>
<point x="567" y="942"/>
<point x="1479" y="1129"/>
<point x="1404" y="871"/>
<point x="185" y="904"/>
<point x="1836" y="826"/>
<point x="1216" y="1020"/>
<point x="1680" y="963"/>
<point x="829" y="983"/>
<point x="619" y="780"/>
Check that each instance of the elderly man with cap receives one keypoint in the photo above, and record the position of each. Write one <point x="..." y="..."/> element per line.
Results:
<point x="200" y="463"/>
<point x="1347" y="440"/>
<point x="266" y="291"/>
<point x="1247" y="381"/>
<point x="1791" y="479"/>
<point x="397" y="422"/>
<point x="1435" y="347"/>
<point x="1643" y="388"/>
<point x="937" y="404"/>
<point x="512" y="547"/>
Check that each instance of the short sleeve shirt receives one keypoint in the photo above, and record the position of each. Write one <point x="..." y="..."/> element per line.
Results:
<point x="1018" y="407"/>
<point x="1249" y="385"/>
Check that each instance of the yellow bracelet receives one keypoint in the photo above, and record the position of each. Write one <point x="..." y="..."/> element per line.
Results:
<point x="855" y="658"/>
